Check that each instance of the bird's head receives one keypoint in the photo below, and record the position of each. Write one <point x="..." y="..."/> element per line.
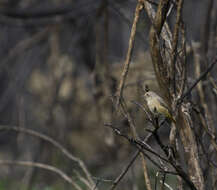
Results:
<point x="147" y="95"/>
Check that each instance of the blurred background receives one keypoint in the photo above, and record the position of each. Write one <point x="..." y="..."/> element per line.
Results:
<point x="61" y="62"/>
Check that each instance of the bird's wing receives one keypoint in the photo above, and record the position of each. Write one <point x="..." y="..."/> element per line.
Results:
<point x="162" y="102"/>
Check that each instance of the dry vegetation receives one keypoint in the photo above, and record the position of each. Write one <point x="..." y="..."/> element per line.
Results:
<point x="72" y="77"/>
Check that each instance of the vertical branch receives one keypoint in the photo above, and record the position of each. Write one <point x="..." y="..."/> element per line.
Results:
<point x="200" y="62"/>
<point x="184" y="122"/>
<point x="190" y="147"/>
<point x="145" y="171"/>
<point x="165" y="33"/>
<point x="173" y="131"/>
<point x="205" y="30"/>
<point x="184" y="70"/>
<point x="201" y="93"/>
<point x="159" y="67"/>
<point x="139" y="7"/>
<point x="207" y="124"/>
<point x="175" y="42"/>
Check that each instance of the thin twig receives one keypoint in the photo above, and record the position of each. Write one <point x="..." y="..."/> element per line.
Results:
<point x="142" y="107"/>
<point x="155" y="182"/>
<point x="54" y="143"/>
<point x="198" y="80"/>
<point x="139" y="144"/>
<point x="124" y="171"/>
<point x="129" y="53"/>
<point x="163" y="183"/>
<point x="42" y="166"/>
<point x="117" y="9"/>
<point x="212" y="135"/>
<point x="102" y="179"/>
<point x="157" y="165"/>
<point x="82" y="179"/>
<point x="135" y="136"/>
<point x="99" y="179"/>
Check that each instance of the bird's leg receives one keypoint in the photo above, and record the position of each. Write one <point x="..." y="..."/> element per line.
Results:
<point x="171" y="152"/>
<point x="156" y="119"/>
<point x="162" y="122"/>
<point x="163" y="147"/>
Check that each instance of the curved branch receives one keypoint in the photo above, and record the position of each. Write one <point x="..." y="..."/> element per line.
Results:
<point x="42" y="166"/>
<point x="55" y="144"/>
<point x="159" y="67"/>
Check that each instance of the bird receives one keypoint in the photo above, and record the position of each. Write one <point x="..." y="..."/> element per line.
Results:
<point x="158" y="106"/>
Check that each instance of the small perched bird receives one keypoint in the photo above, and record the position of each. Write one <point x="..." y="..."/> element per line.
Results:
<point x="157" y="105"/>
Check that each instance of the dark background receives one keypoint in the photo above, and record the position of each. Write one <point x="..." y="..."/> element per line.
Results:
<point x="60" y="65"/>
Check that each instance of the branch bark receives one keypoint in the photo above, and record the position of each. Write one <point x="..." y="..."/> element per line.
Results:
<point x="159" y="66"/>
<point x="163" y="73"/>
<point x="190" y="146"/>
<point x="139" y="7"/>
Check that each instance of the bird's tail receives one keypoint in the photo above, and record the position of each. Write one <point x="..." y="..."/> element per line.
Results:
<point x="170" y="117"/>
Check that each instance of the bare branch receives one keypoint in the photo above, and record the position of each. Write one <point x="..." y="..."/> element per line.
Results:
<point x="157" y="60"/>
<point x="54" y="143"/>
<point x="163" y="182"/>
<point x="198" y="80"/>
<point x="129" y="53"/>
<point x="175" y="42"/>
<point x="117" y="9"/>
<point x="124" y="171"/>
<point x="142" y="146"/>
<point x="135" y="136"/>
<point x="42" y="166"/>
<point x="82" y="179"/>
<point x="205" y="30"/>
<point x="184" y="70"/>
